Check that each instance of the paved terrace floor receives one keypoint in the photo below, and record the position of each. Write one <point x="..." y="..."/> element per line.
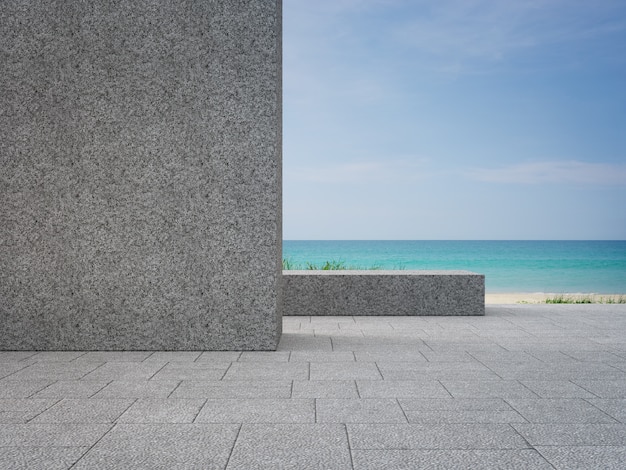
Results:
<point x="523" y="387"/>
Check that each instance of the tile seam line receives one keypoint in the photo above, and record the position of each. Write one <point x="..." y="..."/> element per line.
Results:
<point x="227" y="369"/>
<point x="510" y="425"/>
<point x="345" y="430"/>
<point x="545" y="458"/>
<point x="32" y="395"/>
<point x="531" y="391"/>
<point x="180" y="382"/>
<point x="588" y="391"/>
<point x="193" y="421"/>
<point x="160" y="369"/>
<point x="102" y="388"/>
<point x="232" y="449"/>
<point x="602" y="411"/>
<point x="483" y="364"/>
<point x="446" y="389"/>
<point x="43" y="411"/>
<point x="113" y="425"/>
<point x="403" y="410"/>
<point x="152" y="353"/>
<point x="93" y="370"/>
<point x="134" y="400"/>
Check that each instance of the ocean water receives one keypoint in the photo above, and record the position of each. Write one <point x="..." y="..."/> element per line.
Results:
<point x="509" y="266"/>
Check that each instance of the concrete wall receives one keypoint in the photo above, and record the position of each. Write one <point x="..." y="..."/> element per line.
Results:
<point x="383" y="293"/>
<point x="140" y="182"/>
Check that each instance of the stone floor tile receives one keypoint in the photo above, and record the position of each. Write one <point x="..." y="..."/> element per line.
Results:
<point x="162" y="446"/>
<point x="322" y="356"/>
<point x="593" y="356"/>
<point x="435" y="371"/>
<point x="54" y="371"/>
<point x="16" y="356"/>
<point x="551" y="356"/>
<point x="572" y="357"/>
<point x="559" y="410"/>
<point x="138" y="389"/>
<point x="401" y="389"/>
<point x="487" y="389"/>
<point x="330" y="410"/>
<point x="125" y="371"/>
<point x="344" y="371"/>
<point x="161" y="410"/>
<point x="55" y="356"/>
<point x="304" y="342"/>
<point x="458" y="346"/>
<point x="51" y="435"/>
<point x="95" y="410"/>
<point x="114" y="356"/>
<point x="174" y="356"/>
<point x="233" y="389"/>
<point x="71" y="389"/>
<point x="459" y="411"/>
<point x="434" y="436"/>
<point x="559" y="434"/>
<point x="264" y="356"/>
<point x="451" y="356"/>
<point x="192" y="371"/>
<point x="324" y="389"/>
<point x="271" y="371"/>
<point x="294" y="446"/>
<point x="522" y="459"/>
<point x="40" y="458"/>
<point x="504" y="357"/>
<point x="621" y="365"/>
<point x="219" y="356"/>
<point x="571" y="371"/>
<point x="22" y="388"/>
<point x="603" y="388"/>
<point x="556" y="389"/>
<point x="387" y="356"/>
<point x="615" y="407"/>
<point x="9" y="368"/>
<point x="585" y="458"/>
<point x="454" y="404"/>
<point x="21" y="410"/>
<point x="257" y="411"/>
<point x="376" y="345"/>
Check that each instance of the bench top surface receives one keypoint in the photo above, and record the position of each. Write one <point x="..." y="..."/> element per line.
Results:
<point x="378" y="272"/>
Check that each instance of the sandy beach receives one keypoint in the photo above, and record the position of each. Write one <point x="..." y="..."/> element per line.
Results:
<point x="540" y="297"/>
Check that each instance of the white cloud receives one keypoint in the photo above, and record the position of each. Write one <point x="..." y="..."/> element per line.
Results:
<point x="365" y="172"/>
<point x="554" y="172"/>
<point x="458" y="33"/>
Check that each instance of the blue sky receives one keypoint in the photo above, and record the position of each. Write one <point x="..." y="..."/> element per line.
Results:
<point x="454" y="119"/>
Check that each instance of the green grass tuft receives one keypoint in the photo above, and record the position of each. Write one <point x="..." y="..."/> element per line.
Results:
<point x="586" y="299"/>
<point x="333" y="265"/>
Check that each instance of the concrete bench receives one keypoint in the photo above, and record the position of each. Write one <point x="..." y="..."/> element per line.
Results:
<point x="383" y="293"/>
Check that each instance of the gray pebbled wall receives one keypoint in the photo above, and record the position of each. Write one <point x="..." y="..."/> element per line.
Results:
<point x="140" y="182"/>
<point x="383" y="293"/>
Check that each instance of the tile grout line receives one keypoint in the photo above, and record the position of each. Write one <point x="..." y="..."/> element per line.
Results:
<point x="163" y="367"/>
<point x="345" y="428"/>
<point x="403" y="411"/>
<point x="233" y="447"/>
<point x="102" y="388"/>
<point x="601" y="410"/>
<point x="113" y="425"/>
<point x="193" y="421"/>
<point x="180" y="382"/>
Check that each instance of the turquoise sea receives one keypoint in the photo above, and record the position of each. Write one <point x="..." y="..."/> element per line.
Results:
<point x="509" y="266"/>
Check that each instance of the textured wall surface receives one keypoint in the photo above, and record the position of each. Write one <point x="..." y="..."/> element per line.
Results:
<point x="140" y="182"/>
<point x="383" y="293"/>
